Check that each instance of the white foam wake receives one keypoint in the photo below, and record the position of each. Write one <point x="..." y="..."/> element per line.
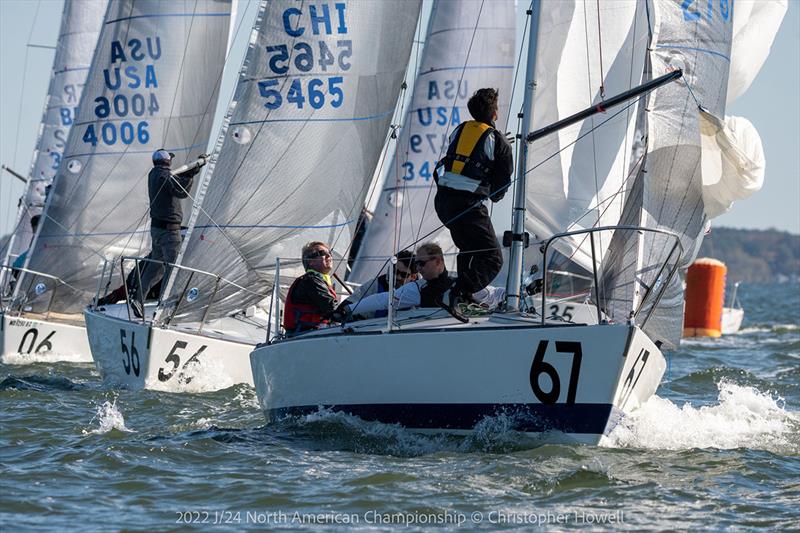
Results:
<point x="742" y="418"/>
<point x="44" y="357"/>
<point x="108" y="417"/>
<point x="203" y="375"/>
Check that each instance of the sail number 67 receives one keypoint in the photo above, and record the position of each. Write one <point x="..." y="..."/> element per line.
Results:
<point x="540" y="366"/>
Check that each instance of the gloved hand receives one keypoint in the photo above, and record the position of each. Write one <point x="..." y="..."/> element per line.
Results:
<point x="342" y="314"/>
<point x="205" y="157"/>
<point x="511" y="137"/>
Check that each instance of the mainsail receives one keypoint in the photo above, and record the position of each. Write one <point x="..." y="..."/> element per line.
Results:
<point x="578" y="178"/>
<point x="304" y="133"/>
<point x="152" y="84"/>
<point x="697" y="39"/>
<point x="80" y="26"/>
<point x="469" y="45"/>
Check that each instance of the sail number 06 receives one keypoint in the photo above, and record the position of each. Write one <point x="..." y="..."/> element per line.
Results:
<point x="540" y="366"/>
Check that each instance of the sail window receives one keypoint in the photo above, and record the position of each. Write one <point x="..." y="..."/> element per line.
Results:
<point x="74" y="166"/>
<point x="242" y="134"/>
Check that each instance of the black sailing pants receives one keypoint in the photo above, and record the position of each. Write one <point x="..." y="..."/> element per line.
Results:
<point x="480" y="258"/>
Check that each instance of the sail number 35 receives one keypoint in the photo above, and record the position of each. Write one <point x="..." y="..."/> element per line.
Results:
<point x="540" y="367"/>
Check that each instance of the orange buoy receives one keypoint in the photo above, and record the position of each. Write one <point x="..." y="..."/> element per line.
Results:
<point x="705" y="294"/>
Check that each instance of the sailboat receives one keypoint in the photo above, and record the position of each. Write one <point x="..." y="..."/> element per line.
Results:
<point x="733" y="313"/>
<point x="152" y="83"/>
<point x="300" y="143"/>
<point x="22" y="335"/>
<point x="562" y="380"/>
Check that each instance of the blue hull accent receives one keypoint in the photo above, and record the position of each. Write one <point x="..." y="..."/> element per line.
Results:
<point x="587" y="418"/>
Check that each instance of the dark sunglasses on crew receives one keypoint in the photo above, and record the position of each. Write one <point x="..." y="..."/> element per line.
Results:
<point x="421" y="262"/>
<point x="318" y="253"/>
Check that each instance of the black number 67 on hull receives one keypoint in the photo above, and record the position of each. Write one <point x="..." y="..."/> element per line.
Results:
<point x="539" y="367"/>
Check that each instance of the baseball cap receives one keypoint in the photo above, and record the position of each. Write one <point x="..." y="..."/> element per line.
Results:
<point x="162" y="155"/>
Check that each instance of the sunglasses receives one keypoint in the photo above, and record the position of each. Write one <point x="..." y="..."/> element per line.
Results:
<point x="421" y="262"/>
<point x="318" y="253"/>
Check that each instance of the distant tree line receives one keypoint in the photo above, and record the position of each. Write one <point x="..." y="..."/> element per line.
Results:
<point x="755" y="256"/>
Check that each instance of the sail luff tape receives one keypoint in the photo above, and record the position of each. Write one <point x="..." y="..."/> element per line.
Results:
<point x="705" y="293"/>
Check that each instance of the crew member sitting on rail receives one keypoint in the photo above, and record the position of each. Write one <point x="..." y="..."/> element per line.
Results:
<point x="405" y="271"/>
<point x="426" y="292"/>
<point x="311" y="298"/>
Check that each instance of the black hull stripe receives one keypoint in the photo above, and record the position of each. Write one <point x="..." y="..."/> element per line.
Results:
<point x="591" y="418"/>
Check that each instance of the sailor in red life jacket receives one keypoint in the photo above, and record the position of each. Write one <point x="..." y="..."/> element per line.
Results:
<point x="311" y="298"/>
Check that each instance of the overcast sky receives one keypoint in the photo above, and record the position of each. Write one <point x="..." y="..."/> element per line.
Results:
<point x="772" y="104"/>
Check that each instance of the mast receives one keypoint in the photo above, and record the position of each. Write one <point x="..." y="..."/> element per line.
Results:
<point x="518" y="210"/>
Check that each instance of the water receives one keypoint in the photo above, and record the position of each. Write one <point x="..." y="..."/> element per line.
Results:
<point x="719" y="447"/>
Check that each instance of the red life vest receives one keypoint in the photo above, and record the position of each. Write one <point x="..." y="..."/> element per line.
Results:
<point x="302" y="317"/>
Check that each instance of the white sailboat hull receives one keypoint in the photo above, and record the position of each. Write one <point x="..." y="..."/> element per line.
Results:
<point x="434" y="376"/>
<point x="135" y="355"/>
<point x="731" y="319"/>
<point x="27" y="340"/>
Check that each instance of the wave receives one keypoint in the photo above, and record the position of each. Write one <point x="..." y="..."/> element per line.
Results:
<point x="744" y="417"/>
<point x="108" y="418"/>
<point x="39" y="383"/>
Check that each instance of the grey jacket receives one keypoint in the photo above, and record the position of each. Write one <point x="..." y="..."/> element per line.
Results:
<point x="166" y="192"/>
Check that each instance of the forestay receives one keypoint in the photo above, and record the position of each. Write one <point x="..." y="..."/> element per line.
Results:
<point x="309" y="118"/>
<point x="578" y="177"/>
<point x="697" y="39"/>
<point x="153" y="83"/>
<point x="80" y="26"/>
<point x="469" y="45"/>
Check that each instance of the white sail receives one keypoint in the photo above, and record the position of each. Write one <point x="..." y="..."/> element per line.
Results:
<point x="310" y="115"/>
<point x="80" y="26"/>
<point x="469" y="45"/>
<point x="668" y="194"/>
<point x="755" y="25"/>
<point x="577" y="178"/>
<point x="153" y="84"/>
<point x="733" y="162"/>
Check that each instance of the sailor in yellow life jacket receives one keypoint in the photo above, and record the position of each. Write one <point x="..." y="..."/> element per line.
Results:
<point x="478" y="166"/>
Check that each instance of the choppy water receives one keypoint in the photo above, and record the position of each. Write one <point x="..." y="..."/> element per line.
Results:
<point x="719" y="447"/>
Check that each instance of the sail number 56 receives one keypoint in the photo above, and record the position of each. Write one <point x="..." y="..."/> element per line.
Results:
<point x="540" y="366"/>
<point x="130" y="359"/>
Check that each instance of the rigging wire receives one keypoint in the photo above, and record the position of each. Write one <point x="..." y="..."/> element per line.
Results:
<point x="600" y="52"/>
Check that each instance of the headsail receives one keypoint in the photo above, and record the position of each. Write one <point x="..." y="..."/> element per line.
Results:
<point x="578" y="177"/>
<point x="80" y="26"/>
<point x="153" y="83"/>
<point x="469" y="45"/>
<point x="669" y="187"/>
<point x="310" y="115"/>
